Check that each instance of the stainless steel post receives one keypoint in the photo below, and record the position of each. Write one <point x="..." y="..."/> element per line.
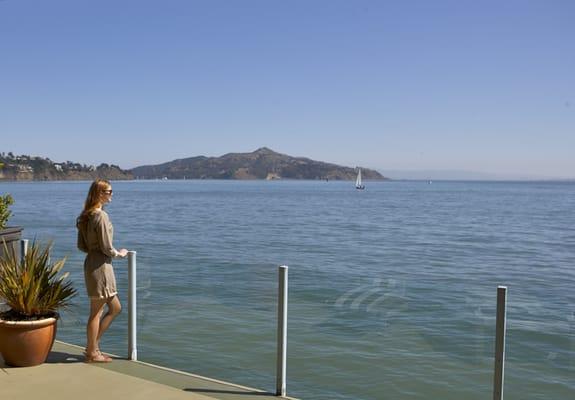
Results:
<point x="132" y="308"/>
<point x="23" y="248"/>
<point x="500" y="329"/>
<point x="282" y="331"/>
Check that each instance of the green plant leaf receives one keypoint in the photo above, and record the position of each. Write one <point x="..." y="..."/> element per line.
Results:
<point x="33" y="287"/>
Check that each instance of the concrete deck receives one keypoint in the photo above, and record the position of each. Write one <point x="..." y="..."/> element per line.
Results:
<point x="66" y="377"/>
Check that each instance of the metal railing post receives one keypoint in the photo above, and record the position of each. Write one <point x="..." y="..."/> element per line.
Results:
<point x="500" y="329"/>
<point x="282" y="331"/>
<point x="132" y="308"/>
<point x="23" y="248"/>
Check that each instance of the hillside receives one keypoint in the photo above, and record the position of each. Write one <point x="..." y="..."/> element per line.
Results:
<point x="28" y="168"/>
<point x="260" y="164"/>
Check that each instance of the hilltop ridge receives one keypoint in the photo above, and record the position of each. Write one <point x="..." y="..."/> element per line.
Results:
<point x="262" y="163"/>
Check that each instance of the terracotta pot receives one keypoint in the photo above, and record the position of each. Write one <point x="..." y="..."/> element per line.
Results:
<point x="27" y="343"/>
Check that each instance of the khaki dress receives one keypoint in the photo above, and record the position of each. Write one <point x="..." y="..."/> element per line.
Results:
<point x="96" y="240"/>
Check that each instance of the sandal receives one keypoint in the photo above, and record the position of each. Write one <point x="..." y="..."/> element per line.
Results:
<point x="97" y="357"/>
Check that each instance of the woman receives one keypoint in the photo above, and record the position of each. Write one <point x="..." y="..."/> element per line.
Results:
<point x="95" y="234"/>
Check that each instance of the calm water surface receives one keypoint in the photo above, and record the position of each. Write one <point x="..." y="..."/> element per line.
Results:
<point x="392" y="289"/>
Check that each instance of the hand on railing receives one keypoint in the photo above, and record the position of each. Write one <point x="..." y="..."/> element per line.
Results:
<point x="122" y="253"/>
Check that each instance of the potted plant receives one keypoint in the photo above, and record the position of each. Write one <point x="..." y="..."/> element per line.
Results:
<point x="34" y="289"/>
<point x="9" y="235"/>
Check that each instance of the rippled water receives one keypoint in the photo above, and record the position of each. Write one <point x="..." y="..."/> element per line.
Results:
<point x="392" y="289"/>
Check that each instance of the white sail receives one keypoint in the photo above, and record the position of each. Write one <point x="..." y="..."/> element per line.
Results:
<point x="358" y="182"/>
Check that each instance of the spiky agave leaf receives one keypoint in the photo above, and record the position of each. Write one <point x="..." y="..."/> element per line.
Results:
<point x="33" y="287"/>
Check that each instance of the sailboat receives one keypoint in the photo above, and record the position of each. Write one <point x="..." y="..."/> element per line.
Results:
<point x="358" y="184"/>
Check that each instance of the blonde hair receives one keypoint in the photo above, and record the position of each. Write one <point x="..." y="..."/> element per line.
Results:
<point x="95" y="199"/>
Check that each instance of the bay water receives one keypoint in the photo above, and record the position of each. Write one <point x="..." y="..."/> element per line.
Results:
<point x="392" y="290"/>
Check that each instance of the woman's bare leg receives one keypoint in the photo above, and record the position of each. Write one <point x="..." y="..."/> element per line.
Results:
<point x="114" y="308"/>
<point x="93" y="327"/>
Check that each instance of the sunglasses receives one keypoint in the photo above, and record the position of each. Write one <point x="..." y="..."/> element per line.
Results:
<point x="108" y="191"/>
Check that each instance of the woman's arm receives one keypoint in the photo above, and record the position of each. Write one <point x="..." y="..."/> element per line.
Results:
<point x="104" y="229"/>
<point x="81" y="243"/>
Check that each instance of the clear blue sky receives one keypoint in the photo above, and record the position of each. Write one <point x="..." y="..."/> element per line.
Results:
<point x="466" y="85"/>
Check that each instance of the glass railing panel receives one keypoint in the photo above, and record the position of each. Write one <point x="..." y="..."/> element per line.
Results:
<point x="384" y="338"/>
<point x="216" y="320"/>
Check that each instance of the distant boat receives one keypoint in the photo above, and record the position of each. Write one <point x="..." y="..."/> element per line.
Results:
<point x="358" y="184"/>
